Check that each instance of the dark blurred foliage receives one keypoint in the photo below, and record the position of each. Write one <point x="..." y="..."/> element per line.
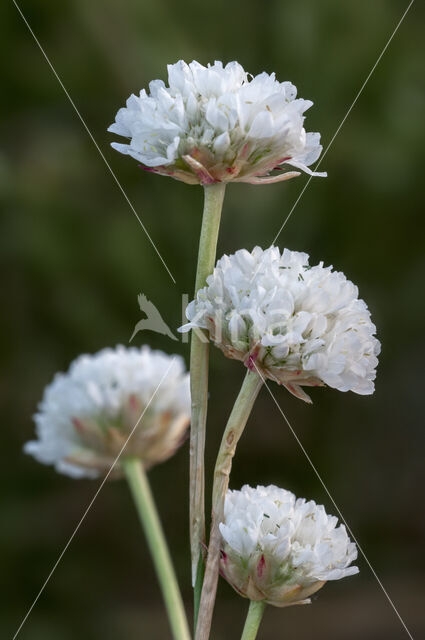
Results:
<point x="74" y="257"/>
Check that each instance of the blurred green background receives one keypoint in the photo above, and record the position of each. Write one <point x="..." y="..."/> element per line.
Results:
<point x="74" y="258"/>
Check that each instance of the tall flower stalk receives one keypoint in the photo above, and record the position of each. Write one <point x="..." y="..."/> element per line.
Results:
<point x="213" y="202"/>
<point x="287" y="321"/>
<point x="210" y="126"/>
<point x="232" y="433"/>
<point x="145" y="506"/>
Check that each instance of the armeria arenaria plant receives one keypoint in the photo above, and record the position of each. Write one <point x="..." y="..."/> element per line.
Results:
<point x="213" y="125"/>
<point x="297" y="324"/>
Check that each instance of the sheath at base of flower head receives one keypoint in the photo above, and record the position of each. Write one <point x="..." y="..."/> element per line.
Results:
<point x="280" y="549"/>
<point x="297" y="324"/>
<point x="88" y="413"/>
<point x="218" y="124"/>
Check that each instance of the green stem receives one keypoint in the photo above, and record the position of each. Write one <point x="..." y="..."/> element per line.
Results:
<point x="253" y="620"/>
<point x="213" y="202"/>
<point x="234" y="429"/>
<point x="149" y="518"/>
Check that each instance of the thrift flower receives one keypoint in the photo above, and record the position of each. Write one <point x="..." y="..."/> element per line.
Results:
<point x="87" y="414"/>
<point x="281" y="549"/>
<point x="299" y="325"/>
<point x="218" y="124"/>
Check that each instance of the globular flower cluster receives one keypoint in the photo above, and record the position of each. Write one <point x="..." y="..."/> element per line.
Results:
<point x="88" y="413"/>
<point x="281" y="549"/>
<point x="297" y="324"/>
<point x="218" y="124"/>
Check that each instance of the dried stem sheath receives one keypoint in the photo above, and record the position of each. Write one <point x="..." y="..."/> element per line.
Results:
<point x="234" y="429"/>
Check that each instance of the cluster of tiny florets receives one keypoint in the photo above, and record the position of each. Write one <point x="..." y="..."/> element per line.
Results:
<point x="217" y="124"/>
<point x="298" y="324"/>
<point x="87" y="414"/>
<point x="281" y="549"/>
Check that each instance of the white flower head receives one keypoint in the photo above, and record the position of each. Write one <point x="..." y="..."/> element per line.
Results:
<point x="218" y="124"/>
<point x="281" y="549"/>
<point x="88" y="413"/>
<point x="297" y="324"/>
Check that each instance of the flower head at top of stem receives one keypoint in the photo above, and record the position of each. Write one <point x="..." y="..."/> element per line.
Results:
<point x="279" y="549"/>
<point x="297" y="324"/>
<point x="218" y="124"/>
<point x="87" y="414"/>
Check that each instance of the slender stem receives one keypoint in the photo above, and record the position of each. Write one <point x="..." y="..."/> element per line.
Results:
<point x="234" y="429"/>
<point x="253" y="620"/>
<point x="149" y="518"/>
<point x="213" y="202"/>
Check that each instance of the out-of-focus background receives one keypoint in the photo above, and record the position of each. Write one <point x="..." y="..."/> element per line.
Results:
<point x="74" y="258"/>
